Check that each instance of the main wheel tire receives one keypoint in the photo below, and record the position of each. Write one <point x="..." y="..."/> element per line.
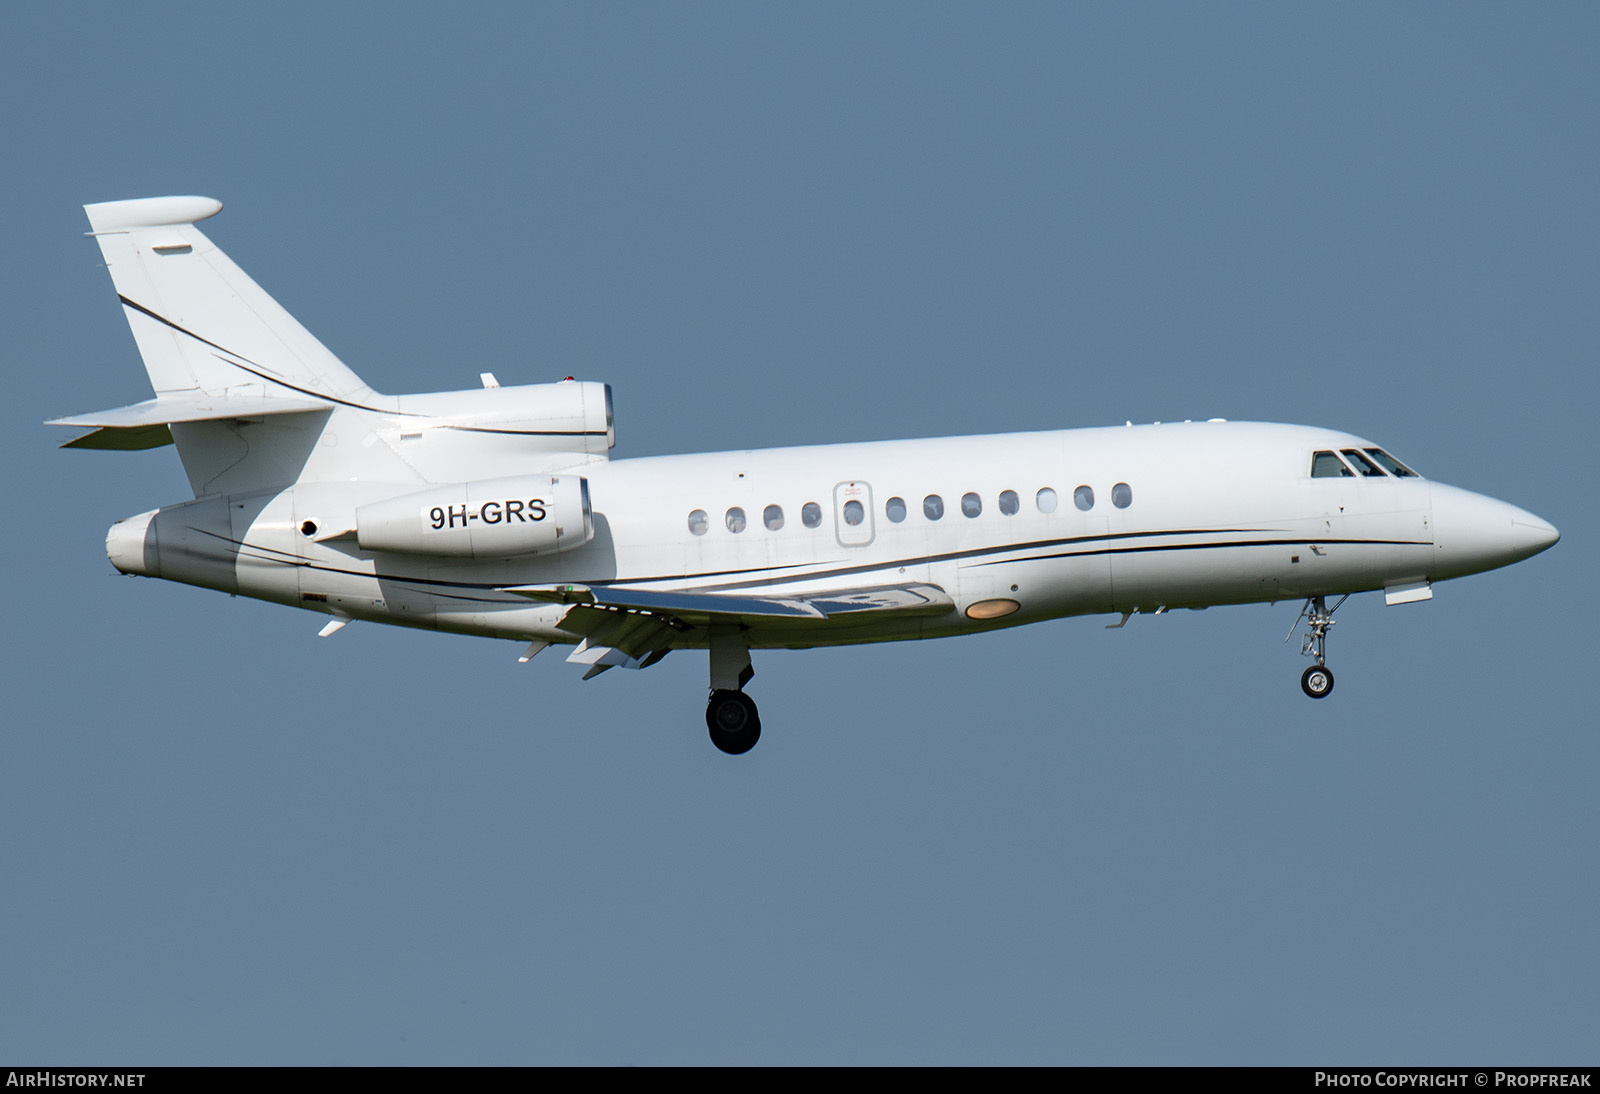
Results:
<point x="1317" y="681"/>
<point x="733" y="721"/>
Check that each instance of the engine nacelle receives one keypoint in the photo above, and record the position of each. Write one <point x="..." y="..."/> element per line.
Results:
<point x="492" y="518"/>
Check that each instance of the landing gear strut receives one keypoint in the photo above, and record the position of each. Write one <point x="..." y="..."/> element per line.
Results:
<point x="731" y="714"/>
<point x="1316" y="681"/>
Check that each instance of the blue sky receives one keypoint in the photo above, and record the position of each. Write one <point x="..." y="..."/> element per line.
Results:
<point x="225" y="840"/>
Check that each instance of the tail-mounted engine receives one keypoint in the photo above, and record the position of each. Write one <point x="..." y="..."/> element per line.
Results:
<point x="492" y="518"/>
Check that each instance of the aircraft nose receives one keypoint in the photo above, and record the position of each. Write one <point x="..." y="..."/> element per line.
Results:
<point x="1532" y="534"/>
<point x="1473" y="533"/>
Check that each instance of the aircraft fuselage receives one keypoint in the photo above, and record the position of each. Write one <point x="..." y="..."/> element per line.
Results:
<point x="1015" y="527"/>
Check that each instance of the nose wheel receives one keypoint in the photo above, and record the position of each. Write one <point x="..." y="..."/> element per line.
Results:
<point x="1316" y="681"/>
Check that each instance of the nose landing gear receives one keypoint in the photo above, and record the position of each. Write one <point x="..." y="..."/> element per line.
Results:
<point x="1316" y="681"/>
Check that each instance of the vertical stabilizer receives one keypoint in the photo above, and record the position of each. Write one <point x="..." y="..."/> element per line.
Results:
<point x="254" y="403"/>
<point x="202" y="325"/>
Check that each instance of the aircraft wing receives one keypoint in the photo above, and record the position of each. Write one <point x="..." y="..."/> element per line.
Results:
<point x="636" y="627"/>
<point x="618" y="636"/>
<point x="698" y="608"/>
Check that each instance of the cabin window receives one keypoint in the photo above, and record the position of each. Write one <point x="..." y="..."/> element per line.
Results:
<point x="1325" y="465"/>
<point x="811" y="514"/>
<point x="772" y="517"/>
<point x="1362" y="464"/>
<point x="854" y="512"/>
<point x="933" y="507"/>
<point x="699" y="523"/>
<point x="1392" y="465"/>
<point x="895" y="509"/>
<point x="1083" y="498"/>
<point x="1046" y="500"/>
<point x="1009" y="503"/>
<point x="735" y="520"/>
<point x="1122" y="495"/>
<point x="971" y="505"/>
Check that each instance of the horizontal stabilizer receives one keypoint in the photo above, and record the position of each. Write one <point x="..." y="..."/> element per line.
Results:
<point x="144" y="425"/>
<point x="124" y="439"/>
<point x="195" y="408"/>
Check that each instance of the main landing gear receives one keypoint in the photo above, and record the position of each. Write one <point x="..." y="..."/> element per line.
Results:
<point x="732" y="719"/>
<point x="1316" y="681"/>
<point x="731" y="715"/>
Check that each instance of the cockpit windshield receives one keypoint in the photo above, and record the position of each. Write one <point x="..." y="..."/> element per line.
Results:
<point x="1362" y="464"/>
<point x="1325" y="465"/>
<point x="1392" y="465"/>
<point x="1371" y="463"/>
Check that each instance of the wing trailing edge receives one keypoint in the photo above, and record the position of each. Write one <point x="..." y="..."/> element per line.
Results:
<point x="635" y="628"/>
<point x="694" y="607"/>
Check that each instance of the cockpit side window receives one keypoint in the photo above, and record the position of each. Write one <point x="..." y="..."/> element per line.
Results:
<point x="1362" y="464"/>
<point x="1325" y="465"/>
<point x="1392" y="465"/>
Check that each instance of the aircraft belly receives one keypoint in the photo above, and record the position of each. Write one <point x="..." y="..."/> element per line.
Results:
<point x="1316" y="556"/>
<point x="1041" y="588"/>
<point x="1361" y="550"/>
<point x="1200" y="577"/>
<point x="469" y="598"/>
<point x="496" y="620"/>
<point x="262" y="526"/>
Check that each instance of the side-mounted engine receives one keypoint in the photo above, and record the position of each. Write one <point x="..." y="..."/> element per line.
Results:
<point x="490" y="518"/>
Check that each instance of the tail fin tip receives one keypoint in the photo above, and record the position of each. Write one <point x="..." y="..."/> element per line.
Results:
<point x="122" y="216"/>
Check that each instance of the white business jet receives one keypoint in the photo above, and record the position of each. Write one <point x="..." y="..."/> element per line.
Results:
<point x="497" y="511"/>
